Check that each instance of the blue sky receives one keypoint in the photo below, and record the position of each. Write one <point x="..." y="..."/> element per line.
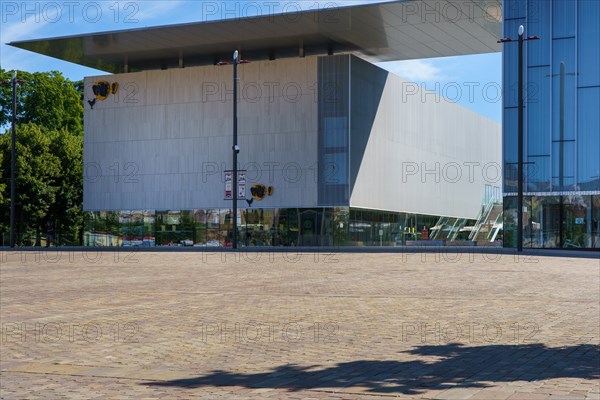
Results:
<point x="472" y="81"/>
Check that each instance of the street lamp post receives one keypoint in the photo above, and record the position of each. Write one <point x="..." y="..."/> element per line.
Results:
<point x="520" y="135"/>
<point x="249" y="201"/>
<point x="520" y="147"/>
<point x="13" y="160"/>
<point x="235" y="148"/>
<point x="13" y="156"/>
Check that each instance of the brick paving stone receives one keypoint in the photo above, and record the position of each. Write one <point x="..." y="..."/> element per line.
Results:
<point x="493" y="394"/>
<point x="457" y="394"/>
<point x="528" y="396"/>
<point x="312" y="326"/>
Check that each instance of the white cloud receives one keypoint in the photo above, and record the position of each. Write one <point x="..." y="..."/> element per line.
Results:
<point x="18" y="30"/>
<point x="414" y="70"/>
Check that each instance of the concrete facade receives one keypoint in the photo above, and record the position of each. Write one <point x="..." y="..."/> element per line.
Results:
<point x="414" y="151"/>
<point x="163" y="141"/>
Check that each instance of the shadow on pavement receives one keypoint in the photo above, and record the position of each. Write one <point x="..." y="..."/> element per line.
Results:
<point x="457" y="367"/>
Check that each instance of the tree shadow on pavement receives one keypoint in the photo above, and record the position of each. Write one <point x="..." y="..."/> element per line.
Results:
<point x="454" y="366"/>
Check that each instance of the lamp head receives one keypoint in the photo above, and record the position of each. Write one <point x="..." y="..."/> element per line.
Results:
<point x="235" y="55"/>
<point x="15" y="74"/>
<point x="521" y="30"/>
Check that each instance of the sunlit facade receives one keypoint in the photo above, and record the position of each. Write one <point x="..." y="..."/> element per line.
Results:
<point x="348" y="163"/>
<point x="562" y="123"/>
<point x="336" y="150"/>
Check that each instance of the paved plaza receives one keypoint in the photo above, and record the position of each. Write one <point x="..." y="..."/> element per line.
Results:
<point x="166" y="325"/>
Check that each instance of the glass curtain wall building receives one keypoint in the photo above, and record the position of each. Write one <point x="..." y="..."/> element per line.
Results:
<point x="562" y="123"/>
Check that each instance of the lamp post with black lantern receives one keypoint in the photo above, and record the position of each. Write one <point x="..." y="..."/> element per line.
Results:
<point x="521" y="40"/>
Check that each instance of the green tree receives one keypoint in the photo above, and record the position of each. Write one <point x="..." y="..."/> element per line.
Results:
<point x="49" y="155"/>
<point x="38" y="172"/>
<point x="47" y="99"/>
<point x="66" y="212"/>
<point x="2" y="184"/>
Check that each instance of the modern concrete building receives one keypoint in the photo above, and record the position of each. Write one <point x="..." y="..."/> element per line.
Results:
<point x="334" y="149"/>
<point x="562" y="123"/>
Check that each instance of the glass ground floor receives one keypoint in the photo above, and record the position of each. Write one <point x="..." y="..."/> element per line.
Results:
<point x="570" y="221"/>
<point x="340" y="226"/>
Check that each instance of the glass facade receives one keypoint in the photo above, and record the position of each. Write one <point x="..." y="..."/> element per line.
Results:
<point x="336" y="226"/>
<point x="334" y="123"/>
<point x="561" y="123"/>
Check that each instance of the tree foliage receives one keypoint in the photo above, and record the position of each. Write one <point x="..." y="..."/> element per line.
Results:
<point x="66" y="213"/>
<point x="49" y="182"/>
<point x="47" y="99"/>
<point x="38" y="172"/>
<point x="2" y="182"/>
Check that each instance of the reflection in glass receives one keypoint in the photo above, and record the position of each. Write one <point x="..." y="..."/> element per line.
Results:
<point x="543" y="229"/>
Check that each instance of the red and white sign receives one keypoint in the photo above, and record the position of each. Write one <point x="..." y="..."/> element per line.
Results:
<point x="229" y="185"/>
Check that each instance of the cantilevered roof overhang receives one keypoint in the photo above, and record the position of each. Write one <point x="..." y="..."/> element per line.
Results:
<point x="382" y="31"/>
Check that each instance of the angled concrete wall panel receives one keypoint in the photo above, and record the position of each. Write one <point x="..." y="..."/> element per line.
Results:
<point x="417" y="154"/>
